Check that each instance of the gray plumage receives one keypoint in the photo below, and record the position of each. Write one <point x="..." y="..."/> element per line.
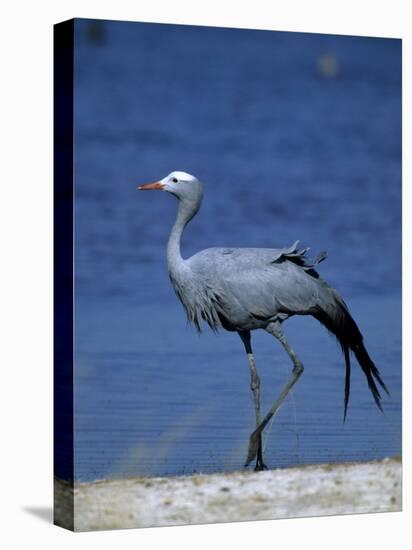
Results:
<point x="244" y="289"/>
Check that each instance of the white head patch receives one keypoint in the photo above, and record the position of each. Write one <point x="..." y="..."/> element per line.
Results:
<point x="181" y="176"/>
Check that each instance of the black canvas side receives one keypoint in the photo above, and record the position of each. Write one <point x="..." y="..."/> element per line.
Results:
<point x="63" y="274"/>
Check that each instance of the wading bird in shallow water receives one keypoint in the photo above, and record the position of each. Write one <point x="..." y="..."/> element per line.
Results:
<point x="244" y="289"/>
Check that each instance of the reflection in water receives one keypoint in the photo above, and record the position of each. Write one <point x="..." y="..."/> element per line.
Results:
<point x="95" y="32"/>
<point x="328" y="65"/>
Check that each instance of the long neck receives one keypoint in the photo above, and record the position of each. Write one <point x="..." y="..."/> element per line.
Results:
<point x="174" y="257"/>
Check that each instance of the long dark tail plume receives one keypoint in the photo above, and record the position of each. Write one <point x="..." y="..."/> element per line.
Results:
<point x="337" y="319"/>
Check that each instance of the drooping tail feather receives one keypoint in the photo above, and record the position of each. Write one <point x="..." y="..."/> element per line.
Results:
<point x="346" y="354"/>
<point x="370" y="371"/>
<point x="336" y="318"/>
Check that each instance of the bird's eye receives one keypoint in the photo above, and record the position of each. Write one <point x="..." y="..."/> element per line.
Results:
<point x="174" y="180"/>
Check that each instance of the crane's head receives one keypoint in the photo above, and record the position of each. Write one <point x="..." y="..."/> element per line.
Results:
<point x="185" y="187"/>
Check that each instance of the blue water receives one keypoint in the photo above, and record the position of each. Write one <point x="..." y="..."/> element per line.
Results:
<point x="295" y="136"/>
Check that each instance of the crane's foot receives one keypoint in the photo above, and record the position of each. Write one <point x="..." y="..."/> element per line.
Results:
<point x="260" y="466"/>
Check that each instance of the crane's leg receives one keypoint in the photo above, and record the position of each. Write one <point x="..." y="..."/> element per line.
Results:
<point x="255" y="387"/>
<point x="274" y="328"/>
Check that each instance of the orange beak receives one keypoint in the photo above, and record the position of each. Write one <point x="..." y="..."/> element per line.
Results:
<point x="151" y="186"/>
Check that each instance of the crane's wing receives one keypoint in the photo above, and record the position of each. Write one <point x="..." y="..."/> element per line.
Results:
<point x="225" y="261"/>
<point x="282" y="287"/>
<point x="259" y="283"/>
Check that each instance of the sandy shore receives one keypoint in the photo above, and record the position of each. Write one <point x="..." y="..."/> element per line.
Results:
<point x="283" y="493"/>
